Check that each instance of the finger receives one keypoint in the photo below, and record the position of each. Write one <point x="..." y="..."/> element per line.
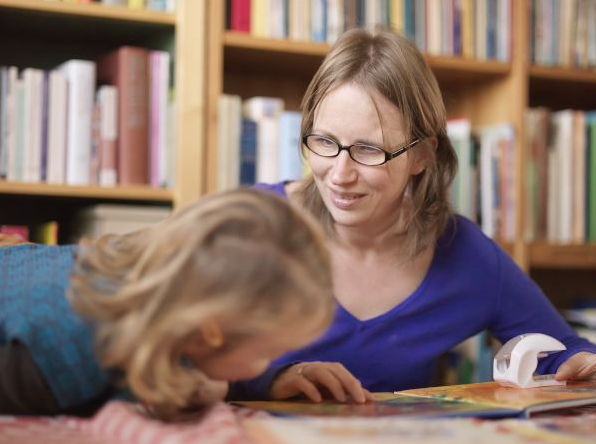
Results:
<point x="309" y="389"/>
<point x="323" y="375"/>
<point x="368" y="395"/>
<point x="579" y="366"/>
<point x="351" y="385"/>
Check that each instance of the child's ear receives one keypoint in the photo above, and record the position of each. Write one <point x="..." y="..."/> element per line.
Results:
<point x="423" y="156"/>
<point x="212" y="333"/>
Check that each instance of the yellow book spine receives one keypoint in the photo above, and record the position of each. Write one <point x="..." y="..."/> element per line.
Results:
<point x="467" y="28"/>
<point x="396" y="15"/>
<point x="136" y="4"/>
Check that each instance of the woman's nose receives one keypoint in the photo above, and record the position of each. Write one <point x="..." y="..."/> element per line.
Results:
<point x="344" y="169"/>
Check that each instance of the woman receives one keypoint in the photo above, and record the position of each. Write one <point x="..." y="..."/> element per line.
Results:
<point x="411" y="279"/>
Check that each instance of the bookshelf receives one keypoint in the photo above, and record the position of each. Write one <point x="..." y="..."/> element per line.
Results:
<point x="42" y="34"/>
<point x="487" y="92"/>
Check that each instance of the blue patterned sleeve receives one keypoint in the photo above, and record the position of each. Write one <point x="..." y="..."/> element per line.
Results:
<point x="35" y="312"/>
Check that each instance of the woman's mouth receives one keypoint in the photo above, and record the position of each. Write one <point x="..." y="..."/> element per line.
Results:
<point x="344" y="200"/>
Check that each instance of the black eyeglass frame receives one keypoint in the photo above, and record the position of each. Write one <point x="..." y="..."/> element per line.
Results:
<point x="389" y="155"/>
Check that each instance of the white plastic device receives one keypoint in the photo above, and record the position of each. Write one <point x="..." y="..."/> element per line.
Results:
<point x="515" y="363"/>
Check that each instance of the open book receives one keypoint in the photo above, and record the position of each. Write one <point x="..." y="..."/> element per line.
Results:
<point x="520" y="402"/>
<point x="392" y="429"/>
<point x="485" y="399"/>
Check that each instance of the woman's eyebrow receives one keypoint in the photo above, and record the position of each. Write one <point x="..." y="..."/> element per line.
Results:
<point x="334" y="137"/>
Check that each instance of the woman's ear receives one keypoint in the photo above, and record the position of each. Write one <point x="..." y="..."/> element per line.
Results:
<point x="423" y="156"/>
<point x="212" y="333"/>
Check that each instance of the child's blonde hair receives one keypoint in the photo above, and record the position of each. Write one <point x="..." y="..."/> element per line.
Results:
<point x="244" y="258"/>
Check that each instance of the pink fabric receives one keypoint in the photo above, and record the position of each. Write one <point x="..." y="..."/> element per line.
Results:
<point x="121" y="423"/>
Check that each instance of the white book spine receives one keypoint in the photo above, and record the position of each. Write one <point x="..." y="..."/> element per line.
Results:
<point x="57" y="124"/>
<point x="81" y="82"/>
<point x="33" y="123"/>
<point x="14" y="83"/>
<point x="163" y="88"/>
<point x="108" y="133"/>
<point x="267" y="150"/>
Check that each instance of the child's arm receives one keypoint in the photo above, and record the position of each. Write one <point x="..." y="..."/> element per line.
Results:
<point x="23" y="388"/>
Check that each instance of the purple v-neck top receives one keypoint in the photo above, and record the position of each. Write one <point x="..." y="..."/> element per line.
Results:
<point x="472" y="285"/>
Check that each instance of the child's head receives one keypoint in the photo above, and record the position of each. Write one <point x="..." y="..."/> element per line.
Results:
<point x="216" y="291"/>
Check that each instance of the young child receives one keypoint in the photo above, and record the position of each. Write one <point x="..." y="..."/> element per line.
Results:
<point x="209" y="295"/>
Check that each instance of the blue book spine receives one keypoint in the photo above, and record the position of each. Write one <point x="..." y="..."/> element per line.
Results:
<point x="248" y="152"/>
<point x="409" y="20"/>
<point x="457" y="44"/>
<point x="491" y="30"/>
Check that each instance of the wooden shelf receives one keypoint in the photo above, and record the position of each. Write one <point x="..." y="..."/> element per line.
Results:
<point x="241" y="40"/>
<point x="563" y="75"/>
<point x="91" y="10"/>
<point x="300" y="59"/>
<point x="545" y="255"/>
<point x="128" y="193"/>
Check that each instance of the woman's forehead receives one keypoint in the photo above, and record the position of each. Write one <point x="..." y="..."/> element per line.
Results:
<point x="353" y="108"/>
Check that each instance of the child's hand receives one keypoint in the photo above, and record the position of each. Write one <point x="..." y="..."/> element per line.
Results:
<point x="581" y="365"/>
<point x="309" y="378"/>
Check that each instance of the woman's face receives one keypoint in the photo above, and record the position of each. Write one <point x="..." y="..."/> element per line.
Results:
<point x="360" y="196"/>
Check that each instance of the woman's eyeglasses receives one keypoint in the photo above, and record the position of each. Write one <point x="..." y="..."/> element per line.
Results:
<point x="369" y="155"/>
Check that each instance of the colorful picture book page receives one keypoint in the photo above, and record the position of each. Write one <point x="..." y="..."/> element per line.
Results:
<point x="556" y="429"/>
<point x="385" y="404"/>
<point x="526" y="401"/>
<point x="385" y="430"/>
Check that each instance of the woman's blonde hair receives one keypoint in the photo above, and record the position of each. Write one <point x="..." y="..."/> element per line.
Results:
<point x="244" y="258"/>
<point x="388" y="63"/>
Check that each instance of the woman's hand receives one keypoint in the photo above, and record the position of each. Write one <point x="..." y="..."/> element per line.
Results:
<point x="581" y="365"/>
<point x="314" y="379"/>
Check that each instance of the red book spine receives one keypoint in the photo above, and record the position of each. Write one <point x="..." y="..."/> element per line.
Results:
<point x="240" y="15"/>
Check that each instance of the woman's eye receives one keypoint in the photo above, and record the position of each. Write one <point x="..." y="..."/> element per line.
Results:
<point x="368" y="149"/>
<point x="325" y="142"/>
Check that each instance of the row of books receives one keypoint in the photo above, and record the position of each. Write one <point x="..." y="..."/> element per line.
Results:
<point x="563" y="33"/>
<point x="41" y="233"/>
<point x="259" y="141"/>
<point x="91" y="222"/>
<point x="561" y="176"/>
<point x="484" y="187"/>
<point x="156" y="5"/>
<point x="471" y="28"/>
<point x="59" y="126"/>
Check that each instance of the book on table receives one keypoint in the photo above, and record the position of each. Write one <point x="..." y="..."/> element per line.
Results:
<point x="483" y="400"/>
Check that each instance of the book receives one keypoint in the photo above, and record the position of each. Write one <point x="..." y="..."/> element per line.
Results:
<point x="107" y="99"/>
<point x="240" y="15"/>
<point x="520" y="402"/>
<point x="387" y="430"/>
<point x="80" y="75"/>
<point x="20" y="232"/>
<point x="97" y="220"/>
<point x="554" y="430"/>
<point x="127" y="69"/>
<point x="57" y="127"/>
<point x="248" y="152"/>
<point x="482" y="400"/>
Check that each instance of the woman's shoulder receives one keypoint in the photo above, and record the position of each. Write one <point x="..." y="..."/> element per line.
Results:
<point x="278" y="188"/>
<point x="286" y="188"/>
<point x="464" y="237"/>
